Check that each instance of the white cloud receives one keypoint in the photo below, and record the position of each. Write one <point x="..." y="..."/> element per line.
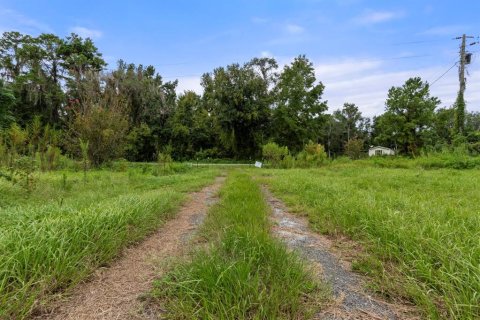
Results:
<point x="373" y="17"/>
<point x="189" y="83"/>
<point x="368" y="88"/>
<point x="294" y="29"/>
<point x="366" y="82"/>
<point x="347" y="67"/>
<point x="87" y="33"/>
<point x="266" y="54"/>
<point x="13" y="20"/>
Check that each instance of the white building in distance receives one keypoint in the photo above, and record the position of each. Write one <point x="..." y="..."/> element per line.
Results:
<point x="380" y="151"/>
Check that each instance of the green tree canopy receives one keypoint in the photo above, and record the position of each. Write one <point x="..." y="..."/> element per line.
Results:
<point x="7" y="100"/>
<point x="240" y="97"/>
<point x="408" y="116"/>
<point x="298" y="113"/>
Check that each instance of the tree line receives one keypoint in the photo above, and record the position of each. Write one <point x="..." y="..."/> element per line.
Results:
<point x="56" y="92"/>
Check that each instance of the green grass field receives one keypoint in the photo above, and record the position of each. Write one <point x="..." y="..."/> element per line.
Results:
<point x="245" y="274"/>
<point x="420" y="230"/>
<point x="422" y="226"/>
<point x="57" y="235"/>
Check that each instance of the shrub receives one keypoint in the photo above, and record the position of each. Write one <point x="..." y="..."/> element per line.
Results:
<point x="121" y="165"/>
<point x="208" y="154"/>
<point x="7" y="100"/>
<point x="354" y="148"/>
<point x="274" y="154"/>
<point x="3" y="153"/>
<point x="104" y="129"/>
<point x="51" y="158"/>
<point x="17" y="138"/>
<point x="23" y="171"/>
<point x="288" y="162"/>
<point x="164" y="161"/>
<point x="474" y="148"/>
<point x="313" y="155"/>
<point x="140" y="144"/>
<point x="84" y="147"/>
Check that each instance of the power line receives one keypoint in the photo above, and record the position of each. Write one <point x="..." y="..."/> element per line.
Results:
<point x="443" y="74"/>
<point x="415" y="42"/>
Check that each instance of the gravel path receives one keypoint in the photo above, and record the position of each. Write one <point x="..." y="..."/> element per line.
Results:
<point x="351" y="300"/>
<point x="113" y="292"/>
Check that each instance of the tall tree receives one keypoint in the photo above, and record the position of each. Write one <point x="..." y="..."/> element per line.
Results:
<point x="7" y="100"/>
<point x="240" y="98"/>
<point x="472" y="121"/>
<point x="408" y="115"/>
<point x="182" y="124"/>
<point x="444" y="126"/>
<point x="346" y="124"/>
<point x="53" y="75"/>
<point x="298" y="113"/>
<point x="40" y="85"/>
<point x="352" y="117"/>
<point x="334" y="134"/>
<point x="141" y="90"/>
<point x="83" y="62"/>
<point x="32" y="66"/>
<point x="191" y="126"/>
<point x="472" y="128"/>
<point x="148" y="103"/>
<point x="12" y="56"/>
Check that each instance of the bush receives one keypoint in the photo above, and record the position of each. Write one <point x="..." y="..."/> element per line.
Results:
<point x="50" y="160"/>
<point x="288" y="162"/>
<point x="22" y="172"/>
<point x="3" y="153"/>
<point x="65" y="162"/>
<point x="209" y="154"/>
<point x="104" y="130"/>
<point x="342" y="160"/>
<point x="354" y="148"/>
<point x="121" y="165"/>
<point x="164" y="161"/>
<point x="140" y="144"/>
<point x="313" y="155"/>
<point x="474" y="148"/>
<point x="17" y="138"/>
<point x="274" y="154"/>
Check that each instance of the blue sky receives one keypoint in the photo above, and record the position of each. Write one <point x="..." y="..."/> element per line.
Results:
<point x="360" y="48"/>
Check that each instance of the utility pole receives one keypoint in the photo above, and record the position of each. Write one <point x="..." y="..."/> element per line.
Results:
<point x="460" y="102"/>
<point x="461" y="68"/>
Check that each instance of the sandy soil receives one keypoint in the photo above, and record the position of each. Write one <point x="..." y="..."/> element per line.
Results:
<point x="113" y="292"/>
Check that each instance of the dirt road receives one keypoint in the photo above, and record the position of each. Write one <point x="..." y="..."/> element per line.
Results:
<point x="113" y="292"/>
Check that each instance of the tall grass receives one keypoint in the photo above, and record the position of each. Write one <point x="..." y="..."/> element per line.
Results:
<point x="58" y="236"/>
<point x="245" y="274"/>
<point x="426" y="222"/>
<point x="437" y="160"/>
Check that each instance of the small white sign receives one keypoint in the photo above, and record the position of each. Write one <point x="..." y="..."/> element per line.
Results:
<point x="258" y="164"/>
